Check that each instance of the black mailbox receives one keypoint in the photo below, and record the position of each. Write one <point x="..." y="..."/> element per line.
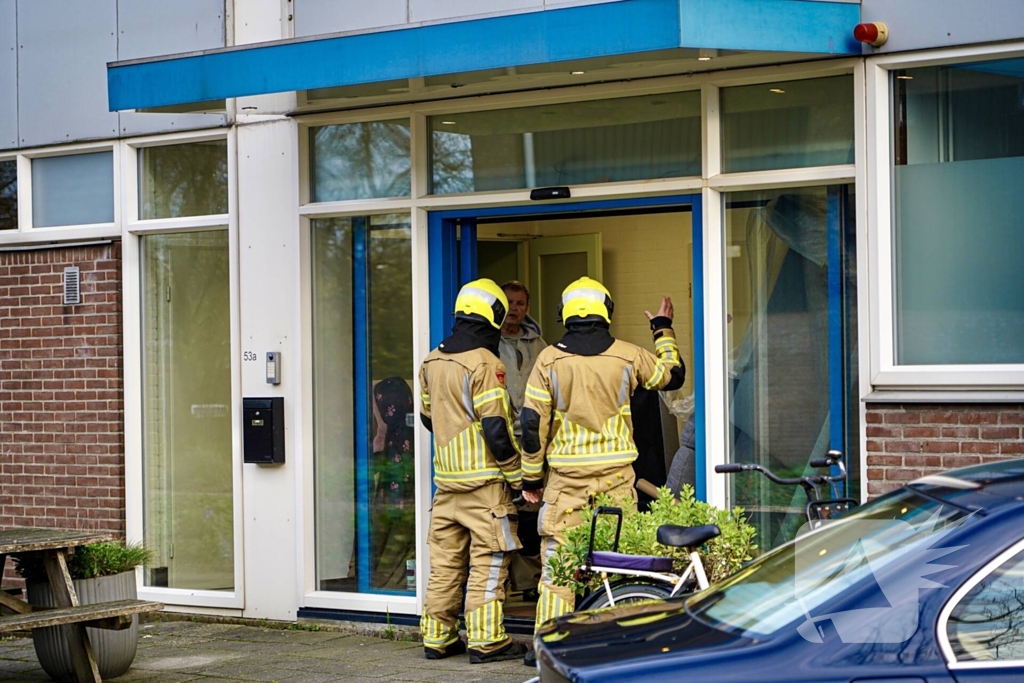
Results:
<point x="263" y="430"/>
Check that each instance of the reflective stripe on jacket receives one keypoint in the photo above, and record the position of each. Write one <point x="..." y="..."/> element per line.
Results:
<point x="585" y="427"/>
<point x="458" y="390"/>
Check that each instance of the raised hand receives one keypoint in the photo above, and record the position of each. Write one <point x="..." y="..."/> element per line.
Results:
<point x="666" y="309"/>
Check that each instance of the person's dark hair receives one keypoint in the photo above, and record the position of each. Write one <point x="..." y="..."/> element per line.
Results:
<point x="516" y="286"/>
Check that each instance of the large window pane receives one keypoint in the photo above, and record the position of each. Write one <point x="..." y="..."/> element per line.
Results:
<point x="782" y="316"/>
<point x="73" y="190"/>
<point x="791" y="124"/>
<point x="9" y="195"/>
<point x="635" y="138"/>
<point x="363" y="403"/>
<point x="959" y="214"/>
<point x="183" y="180"/>
<point x="187" y="472"/>
<point x="359" y="161"/>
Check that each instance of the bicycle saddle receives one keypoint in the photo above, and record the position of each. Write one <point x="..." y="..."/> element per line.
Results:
<point x="686" y="536"/>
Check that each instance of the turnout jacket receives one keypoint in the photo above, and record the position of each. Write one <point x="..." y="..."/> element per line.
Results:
<point x="465" y="404"/>
<point x="576" y="414"/>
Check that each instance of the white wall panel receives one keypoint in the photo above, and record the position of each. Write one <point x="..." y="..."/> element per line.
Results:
<point x="147" y="28"/>
<point x="436" y="10"/>
<point x="64" y="47"/>
<point x="8" y="74"/>
<point x="316" y="17"/>
<point x="269" y="273"/>
<point x="257" y="21"/>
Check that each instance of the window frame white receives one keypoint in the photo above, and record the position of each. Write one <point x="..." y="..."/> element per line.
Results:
<point x="27" y="234"/>
<point x="131" y="236"/>
<point x="886" y="373"/>
<point x="712" y="184"/>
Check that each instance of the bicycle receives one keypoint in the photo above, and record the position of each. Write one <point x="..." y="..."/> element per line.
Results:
<point x="819" y="509"/>
<point x="649" y="577"/>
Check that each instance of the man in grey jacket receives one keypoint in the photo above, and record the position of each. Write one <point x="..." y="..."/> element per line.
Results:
<point x="520" y="344"/>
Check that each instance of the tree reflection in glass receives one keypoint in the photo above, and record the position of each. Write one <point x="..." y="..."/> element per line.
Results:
<point x="359" y="161"/>
<point x="183" y="180"/>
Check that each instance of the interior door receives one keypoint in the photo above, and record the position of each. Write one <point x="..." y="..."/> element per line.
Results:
<point x="554" y="263"/>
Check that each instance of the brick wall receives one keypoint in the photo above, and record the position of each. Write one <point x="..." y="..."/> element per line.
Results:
<point x="907" y="441"/>
<point x="61" y="400"/>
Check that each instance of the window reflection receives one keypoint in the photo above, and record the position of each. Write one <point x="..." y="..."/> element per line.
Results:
<point x="780" y="309"/>
<point x="9" y="195"/>
<point x="363" y="403"/>
<point x="958" y="157"/>
<point x="988" y="624"/>
<point x="183" y="180"/>
<point x="633" y="138"/>
<point x="359" y="161"/>
<point x="187" y="448"/>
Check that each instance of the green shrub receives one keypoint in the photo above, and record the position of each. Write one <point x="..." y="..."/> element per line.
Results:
<point x="88" y="561"/>
<point x="721" y="556"/>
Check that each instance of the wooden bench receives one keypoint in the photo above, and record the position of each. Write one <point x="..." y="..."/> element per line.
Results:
<point x="114" y="616"/>
<point x="71" y="617"/>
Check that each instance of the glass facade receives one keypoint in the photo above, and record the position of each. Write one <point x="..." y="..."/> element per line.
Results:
<point x="359" y="161"/>
<point x="633" y="138"/>
<point x="791" y="124"/>
<point x="958" y="235"/>
<point x="73" y="190"/>
<point x="9" y="195"/>
<point x="183" y="180"/>
<point x="364" y="375"/>
<point x="188" y="504"/>
<point x="790" y="276"/>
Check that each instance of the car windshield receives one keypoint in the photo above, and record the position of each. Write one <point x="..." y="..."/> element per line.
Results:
<point x="795" y="579"/>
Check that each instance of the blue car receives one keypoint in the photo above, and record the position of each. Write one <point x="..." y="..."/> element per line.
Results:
<point x="922" y="585"/>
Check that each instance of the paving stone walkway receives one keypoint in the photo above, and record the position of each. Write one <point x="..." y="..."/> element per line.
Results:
<point x="180" y="651"/>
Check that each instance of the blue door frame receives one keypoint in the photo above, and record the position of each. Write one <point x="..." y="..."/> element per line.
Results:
<point x="453" y="263"/>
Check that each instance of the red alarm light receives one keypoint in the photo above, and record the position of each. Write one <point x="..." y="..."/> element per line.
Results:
<point x="874" y="34"/>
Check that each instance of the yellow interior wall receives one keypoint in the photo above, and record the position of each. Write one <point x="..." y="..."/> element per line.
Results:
<point x="644" y="257"/>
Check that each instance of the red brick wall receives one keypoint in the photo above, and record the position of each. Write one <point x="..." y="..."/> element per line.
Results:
<point x="907" y="441"/>
<point x="61" y="400"/>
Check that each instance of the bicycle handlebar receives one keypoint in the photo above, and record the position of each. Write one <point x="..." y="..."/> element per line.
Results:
<point x="834" y="458"/>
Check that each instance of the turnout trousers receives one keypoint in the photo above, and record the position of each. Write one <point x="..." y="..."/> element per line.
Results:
<point x="472" y="535"/>
<point x="560" y="512"/>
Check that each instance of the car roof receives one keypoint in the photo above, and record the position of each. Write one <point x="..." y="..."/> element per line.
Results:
<point x="980" y="487"/>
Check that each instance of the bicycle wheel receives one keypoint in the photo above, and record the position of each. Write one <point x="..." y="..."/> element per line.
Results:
<point x="625" y="591"/>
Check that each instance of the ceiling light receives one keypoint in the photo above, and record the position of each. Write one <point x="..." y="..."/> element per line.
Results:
<point x="448" y="123"/>
<point x="905" y="77"/>
<point x="706" y="54"/>
<point x="703" y="59"/>
<point x="577" y="73"/>
<point x="777" y="91"/>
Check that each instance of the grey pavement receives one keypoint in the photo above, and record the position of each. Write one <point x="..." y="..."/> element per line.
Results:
<point x="185" y="651"/>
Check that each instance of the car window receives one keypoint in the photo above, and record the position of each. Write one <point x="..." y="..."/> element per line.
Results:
<point x="803" y="577"/>
<point x="988" y="623"/>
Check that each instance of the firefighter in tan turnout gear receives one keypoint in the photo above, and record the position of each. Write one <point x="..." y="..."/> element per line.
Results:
<point x="576" y="418"/>
<point x="473" y="523"/>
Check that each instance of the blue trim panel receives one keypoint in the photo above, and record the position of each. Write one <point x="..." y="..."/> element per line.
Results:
<point x="770" y="25"/>
<point x="700" y="460"/>
<point x="444" y="263"/>
<point x="541" y="37"/>
<point x="515" y="40"/>
<point x="467" y="247"/>
<point x="835" y="317"/>
<point x="361" y="355"/>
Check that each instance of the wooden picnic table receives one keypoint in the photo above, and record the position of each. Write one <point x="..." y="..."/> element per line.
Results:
<point x="55" y="545"/>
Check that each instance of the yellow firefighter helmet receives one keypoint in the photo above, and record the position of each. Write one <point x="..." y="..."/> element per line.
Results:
<point x="586" y="298"/>
<point x="482" y="299"/>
